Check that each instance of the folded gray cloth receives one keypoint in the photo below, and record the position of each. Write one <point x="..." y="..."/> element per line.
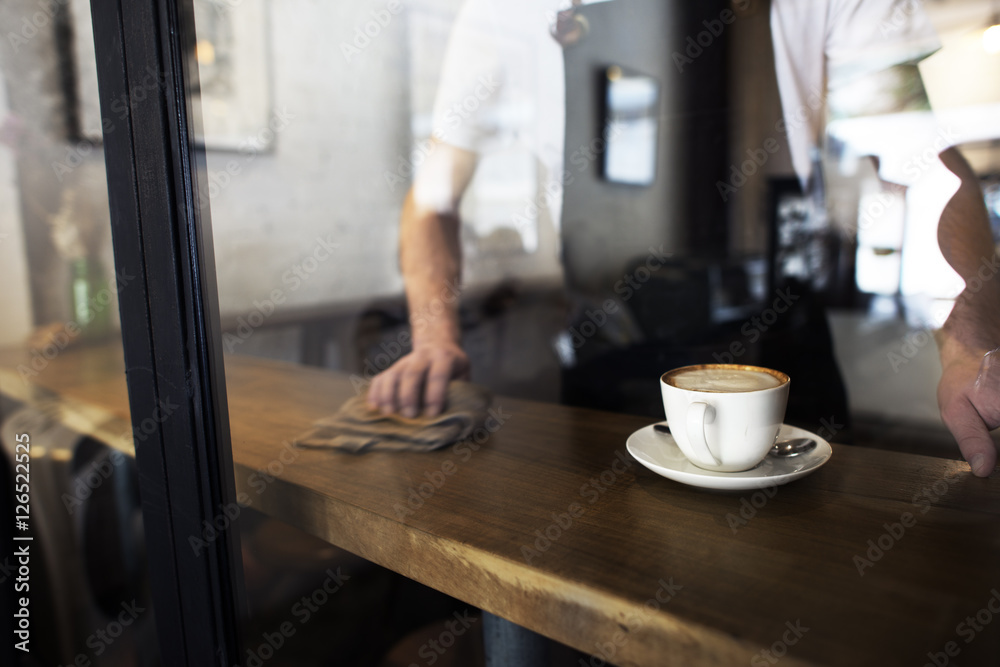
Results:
<point x="357" y="429"/>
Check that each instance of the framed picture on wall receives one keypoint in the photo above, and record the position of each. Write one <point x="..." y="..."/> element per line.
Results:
<point x="232" y="53"/>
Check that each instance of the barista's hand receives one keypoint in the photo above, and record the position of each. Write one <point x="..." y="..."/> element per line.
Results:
<point x="419" y="380"/>
<point x="969" y="398"/>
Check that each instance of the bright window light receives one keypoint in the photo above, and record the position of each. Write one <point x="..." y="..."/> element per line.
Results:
<point x="991" y="39"/>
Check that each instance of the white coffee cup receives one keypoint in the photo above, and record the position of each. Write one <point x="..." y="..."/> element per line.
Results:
<point x="724" y="417"/>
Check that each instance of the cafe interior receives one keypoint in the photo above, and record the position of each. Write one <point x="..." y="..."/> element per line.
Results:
<point x="216" y="247"/>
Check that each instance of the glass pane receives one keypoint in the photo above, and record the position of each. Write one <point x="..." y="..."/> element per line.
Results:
<point x="77" y="588"/>
<point x="556" y="202"/>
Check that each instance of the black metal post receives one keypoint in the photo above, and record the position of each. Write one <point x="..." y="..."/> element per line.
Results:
<point x="168" y="301"/>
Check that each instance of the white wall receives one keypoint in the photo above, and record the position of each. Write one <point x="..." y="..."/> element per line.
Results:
<point x="15" y="297"/>
<point x="349" y="119"/>
<point x="344" y="122"/>
<point x="962" y="73"/>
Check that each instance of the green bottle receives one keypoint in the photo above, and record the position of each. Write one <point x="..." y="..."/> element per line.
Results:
<point x="91" y="300"/>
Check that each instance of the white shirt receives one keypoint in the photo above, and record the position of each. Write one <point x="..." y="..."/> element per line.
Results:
<point x="504" y="47"/>
<point x="822" y="44"/>
<point x="502" y="96"/>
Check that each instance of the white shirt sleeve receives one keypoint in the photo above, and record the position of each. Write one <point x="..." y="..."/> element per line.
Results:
<point x="865" y="36"/>
<point x="472" y="73"/>
<point x="819" y="44"/>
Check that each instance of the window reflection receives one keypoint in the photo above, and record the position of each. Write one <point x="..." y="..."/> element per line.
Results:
<point x="477" y="179"/>
<point x="497" y="117"/>
<point x="963" y="115"/>
<point x="87" y="581"/>
<point x="574" y="196"/>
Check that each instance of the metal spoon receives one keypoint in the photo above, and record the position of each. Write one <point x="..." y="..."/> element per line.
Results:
<point x="782" y="450"/>
<point x="793" y="447"/>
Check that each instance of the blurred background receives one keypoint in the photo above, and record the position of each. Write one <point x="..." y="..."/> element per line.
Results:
<point x="316" y="117"/>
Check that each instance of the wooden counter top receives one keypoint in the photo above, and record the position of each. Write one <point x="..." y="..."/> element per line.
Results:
<point x="878" y="558"/>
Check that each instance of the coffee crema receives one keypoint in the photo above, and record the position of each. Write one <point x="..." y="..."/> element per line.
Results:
<point x="722" y="380"/>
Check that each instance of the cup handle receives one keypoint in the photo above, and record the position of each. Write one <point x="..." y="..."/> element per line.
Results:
<point x="696" y="432"/>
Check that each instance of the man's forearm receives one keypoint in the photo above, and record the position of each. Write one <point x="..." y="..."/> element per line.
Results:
<point x="430" y="260"/>
<point x="968" y="393"/>
<point x="967" y="244"/>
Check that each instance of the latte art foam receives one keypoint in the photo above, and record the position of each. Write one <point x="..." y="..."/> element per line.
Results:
<point x="723" y="380"/>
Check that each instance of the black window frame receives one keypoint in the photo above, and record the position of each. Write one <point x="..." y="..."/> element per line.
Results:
<point x="170" y="324"/>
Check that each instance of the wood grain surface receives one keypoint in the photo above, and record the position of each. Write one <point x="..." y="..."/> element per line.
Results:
<point x="549" y="522"/>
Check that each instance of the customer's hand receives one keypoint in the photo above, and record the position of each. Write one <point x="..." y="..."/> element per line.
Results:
<point x="969" y="398"/>
<point x="419" y="380"/>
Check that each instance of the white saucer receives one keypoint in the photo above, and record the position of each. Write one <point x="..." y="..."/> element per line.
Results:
<point x="658" y="452"/>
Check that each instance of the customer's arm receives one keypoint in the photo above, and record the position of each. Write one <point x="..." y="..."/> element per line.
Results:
<point x="969" y="399"/>
<point x="430" y="260"/>
<point x="969" y="391"/>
